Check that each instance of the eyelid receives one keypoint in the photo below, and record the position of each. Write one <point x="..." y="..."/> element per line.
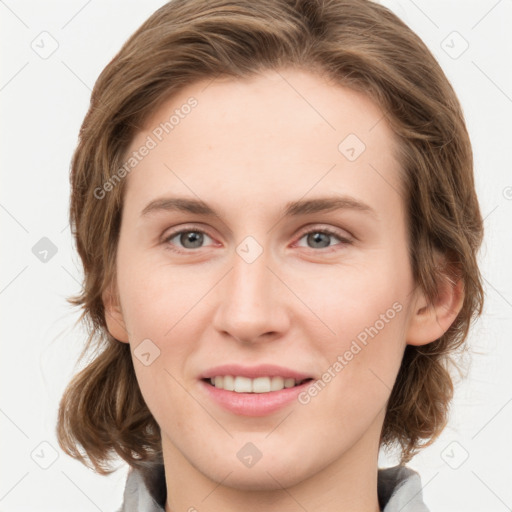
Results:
<point x="337" y="232"/>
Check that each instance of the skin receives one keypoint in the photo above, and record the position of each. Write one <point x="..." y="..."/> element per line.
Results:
<point x="247" y="149"/>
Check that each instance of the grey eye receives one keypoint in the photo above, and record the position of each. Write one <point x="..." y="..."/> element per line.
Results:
<point x="318" y="239"/>
<point x="188" y="239"/>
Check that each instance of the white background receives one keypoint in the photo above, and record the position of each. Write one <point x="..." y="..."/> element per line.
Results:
<point x="43" y="102"/>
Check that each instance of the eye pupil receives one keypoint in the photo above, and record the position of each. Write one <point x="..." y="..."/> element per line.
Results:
<point x="195" y="238"/>
<point x="316" y="238"/>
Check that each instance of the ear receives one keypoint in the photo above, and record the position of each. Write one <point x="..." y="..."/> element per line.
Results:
<point x="430" y="321"/>
<point x="114" y="315"/>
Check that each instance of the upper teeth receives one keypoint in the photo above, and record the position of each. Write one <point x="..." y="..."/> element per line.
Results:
<point x="246" y="385"/>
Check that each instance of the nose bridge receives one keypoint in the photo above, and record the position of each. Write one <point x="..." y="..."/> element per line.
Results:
<point x="250" y="280"/>
<point x="249" y="303"/>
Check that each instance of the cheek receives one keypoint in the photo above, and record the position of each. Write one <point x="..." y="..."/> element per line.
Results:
<point x="365" y="310"/>
<point x="155" y="298"/>
<point x="351" y="299"/>
<point x="358" y="378"/>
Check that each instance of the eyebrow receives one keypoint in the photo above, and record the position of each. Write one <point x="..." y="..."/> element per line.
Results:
<point x="292" y="209"/>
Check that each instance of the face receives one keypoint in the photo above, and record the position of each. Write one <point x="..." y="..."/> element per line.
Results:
<point x="263" y="244"/>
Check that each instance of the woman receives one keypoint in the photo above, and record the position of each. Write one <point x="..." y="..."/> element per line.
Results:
<point x="275" y="209"/>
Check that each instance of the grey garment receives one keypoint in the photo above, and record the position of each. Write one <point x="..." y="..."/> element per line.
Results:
<point x="398" y="489"/>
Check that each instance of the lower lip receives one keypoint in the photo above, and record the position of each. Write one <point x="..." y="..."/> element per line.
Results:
<point x="253" y="404"/>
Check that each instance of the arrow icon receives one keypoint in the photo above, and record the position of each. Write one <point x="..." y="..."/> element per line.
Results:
<point x="249" y="254"/>
<point x="44" y="455"/>
<point x="147" y="352"/>
<point x="454" y="45"/>
<point x="249" y="455"/>
<point x="40" y="45"/>
<point x="44" y="250"/>
<point x="351" y="147"/>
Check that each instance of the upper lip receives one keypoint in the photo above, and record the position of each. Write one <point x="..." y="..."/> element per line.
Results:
<point x="252" y="372"/>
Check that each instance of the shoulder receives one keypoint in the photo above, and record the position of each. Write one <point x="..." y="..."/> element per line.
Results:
<point x="400" y="489"/>
<point x="144" y="492"/>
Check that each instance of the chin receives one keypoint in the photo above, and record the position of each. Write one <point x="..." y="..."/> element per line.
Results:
<point x="267" y="474"/>
<point x="266" y="478"/>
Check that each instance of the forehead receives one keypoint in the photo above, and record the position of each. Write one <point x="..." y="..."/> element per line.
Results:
<point x="288" y="131"/>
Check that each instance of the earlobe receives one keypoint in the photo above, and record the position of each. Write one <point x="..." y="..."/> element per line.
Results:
<point x="114" y="316"/>
<point x="430" y="321"/>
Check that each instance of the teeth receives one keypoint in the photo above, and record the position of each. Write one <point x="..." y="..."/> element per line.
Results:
<point x="289" y="383"/>
<point x="246" y="385"/>
<point x="242" y="385"/>
<point x="228" y="383"/>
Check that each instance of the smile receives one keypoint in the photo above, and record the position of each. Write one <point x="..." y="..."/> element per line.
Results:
<point x="240" y="384"/>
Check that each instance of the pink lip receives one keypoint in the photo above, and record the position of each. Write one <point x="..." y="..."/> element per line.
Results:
<point x="252" y="372"/>
<point x="253" y="404"/>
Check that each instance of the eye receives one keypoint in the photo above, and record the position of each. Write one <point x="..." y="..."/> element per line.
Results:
<point x="188" y="238"/>
<point x="193" y="238"/>
<point x="321" y="238"/>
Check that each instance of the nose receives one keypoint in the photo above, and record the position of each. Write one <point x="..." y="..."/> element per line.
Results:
<point x="251" y="302"/>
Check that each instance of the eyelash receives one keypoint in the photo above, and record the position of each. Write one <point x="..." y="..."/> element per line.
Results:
<point x="330" y="232"/>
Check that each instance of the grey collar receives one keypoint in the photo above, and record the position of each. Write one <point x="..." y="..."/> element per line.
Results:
<point x="398" y="489"/>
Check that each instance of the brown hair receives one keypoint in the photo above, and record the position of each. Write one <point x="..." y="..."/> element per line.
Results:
<point x="356" y="43"/>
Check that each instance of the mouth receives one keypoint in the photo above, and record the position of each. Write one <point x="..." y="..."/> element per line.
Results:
<point x="240" y="384"/>
<point x="258" y="390"/>
<point x="260" y="396"/>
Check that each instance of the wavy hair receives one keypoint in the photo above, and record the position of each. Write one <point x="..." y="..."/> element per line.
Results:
<point x="358" y="44"/>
